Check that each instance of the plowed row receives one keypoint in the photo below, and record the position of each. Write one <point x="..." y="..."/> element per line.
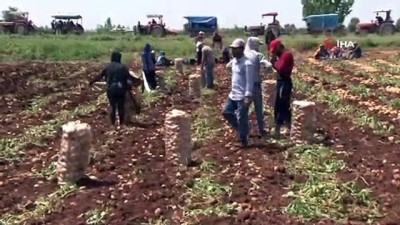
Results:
<point x="136" y="185"/>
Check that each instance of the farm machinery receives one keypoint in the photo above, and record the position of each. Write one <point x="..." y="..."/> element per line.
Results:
<point x="317" y="24"/>
<point x="261" y="29"/>
<point x="64" y="24"/>
<point x="153" y="27"/>
<point x="381" y="26"/>
<point x="207" y="24"/>
<point x="17" y="23"/>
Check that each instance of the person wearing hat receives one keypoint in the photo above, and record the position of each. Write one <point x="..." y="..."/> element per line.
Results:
<point x="199" y="47"/>
<point x="237" y="105"/>
<point x="283" y="62"/>
<point x="200" y="37"/>
<point x="321" y="52"/>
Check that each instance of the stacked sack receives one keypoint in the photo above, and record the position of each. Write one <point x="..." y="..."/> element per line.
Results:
<point x="268" y="87"/>
<point x="179" y="65"/>
<point x="195" y="85"/>
<point x="74" y="155"/>
<point x="303" y="121"/>
<point x="178" y="137"/>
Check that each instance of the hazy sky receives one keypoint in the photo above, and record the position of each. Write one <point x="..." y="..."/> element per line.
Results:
<point x="229" y="12"/>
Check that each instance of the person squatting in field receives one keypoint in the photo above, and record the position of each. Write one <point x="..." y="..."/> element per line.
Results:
<point x="149" y="68"/>
<point x="162" y="60"/>
<point x="239" y="98"/>
<point x="207" y="64"/>
<point x="321" y="52"/>
<point x="257" y="59"/>
<point x="282" y="61"/>
<point x="119" y="82"/>
<point x="355" y="52"/>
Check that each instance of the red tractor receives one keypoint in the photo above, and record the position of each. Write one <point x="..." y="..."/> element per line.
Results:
<point x="381" y="26"/>
<point x="260" y="29"/>
<point x="153" y="27"/>
<point x="18" y="23"/>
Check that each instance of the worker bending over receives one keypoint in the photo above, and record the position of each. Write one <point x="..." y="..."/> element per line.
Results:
<point x="118" y="82"/>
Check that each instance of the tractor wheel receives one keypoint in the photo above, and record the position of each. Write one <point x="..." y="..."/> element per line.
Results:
<point x="21" y="29"/>
<point x="387" y="29"/>
<point x="158" y="31"/>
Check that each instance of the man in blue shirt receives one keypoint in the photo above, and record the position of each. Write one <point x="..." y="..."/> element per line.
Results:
<point x="241" y="93"/>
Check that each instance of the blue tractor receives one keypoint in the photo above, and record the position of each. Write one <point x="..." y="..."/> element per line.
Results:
<point x="317" y="24"/>
<point x="207" y="24"/>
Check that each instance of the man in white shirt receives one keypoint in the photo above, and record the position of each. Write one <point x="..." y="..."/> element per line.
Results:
<point x="240" y="97"/>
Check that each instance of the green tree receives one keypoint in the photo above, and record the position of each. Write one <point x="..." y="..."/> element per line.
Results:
<point x="353" y="24"/>
<point x="10" y="14"/>
<point x="108" y="25"/>
<point x="315" y="7"/>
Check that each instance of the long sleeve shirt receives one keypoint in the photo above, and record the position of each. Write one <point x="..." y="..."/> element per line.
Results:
<point x="148" y="62"/>
<point x="258" y="60"/>
<point x="116" y="75"/>
<point x="207" y="56"/>
<point x="284" y="65"/>
<point x="242" y="79"/>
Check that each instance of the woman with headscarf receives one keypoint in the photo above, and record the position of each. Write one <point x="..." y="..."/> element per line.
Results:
<point x="252" y="52"/>
<point x="119" y="82"/>
<point x="149" y="68"/>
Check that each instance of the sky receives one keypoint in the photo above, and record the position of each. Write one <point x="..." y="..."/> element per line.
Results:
<point x="229" y="12"/>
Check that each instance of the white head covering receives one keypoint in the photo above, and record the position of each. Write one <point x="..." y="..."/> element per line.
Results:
<point x="253" y="43"/>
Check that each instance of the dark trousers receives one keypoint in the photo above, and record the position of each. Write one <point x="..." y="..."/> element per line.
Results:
<point x="282" y="111"/>
<point x="116" y="98"/>
<point x="151" y="78"/>
<point x="199" y="56"/>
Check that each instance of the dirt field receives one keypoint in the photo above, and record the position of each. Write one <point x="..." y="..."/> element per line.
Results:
<point x="358" y="115"/>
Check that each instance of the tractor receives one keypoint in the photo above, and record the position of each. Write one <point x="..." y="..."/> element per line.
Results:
<point x="153" y="27"/>
<point x="63" y="24"/>
<point x="261" y="29"/>
<point x="18" y="23"/>
<point x="381" y="26"/>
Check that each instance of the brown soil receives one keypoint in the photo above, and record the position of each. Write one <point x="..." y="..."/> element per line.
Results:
<point x="136" y="180"/>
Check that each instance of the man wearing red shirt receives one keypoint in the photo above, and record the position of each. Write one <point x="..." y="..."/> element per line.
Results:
<point x="282" y="61"/>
